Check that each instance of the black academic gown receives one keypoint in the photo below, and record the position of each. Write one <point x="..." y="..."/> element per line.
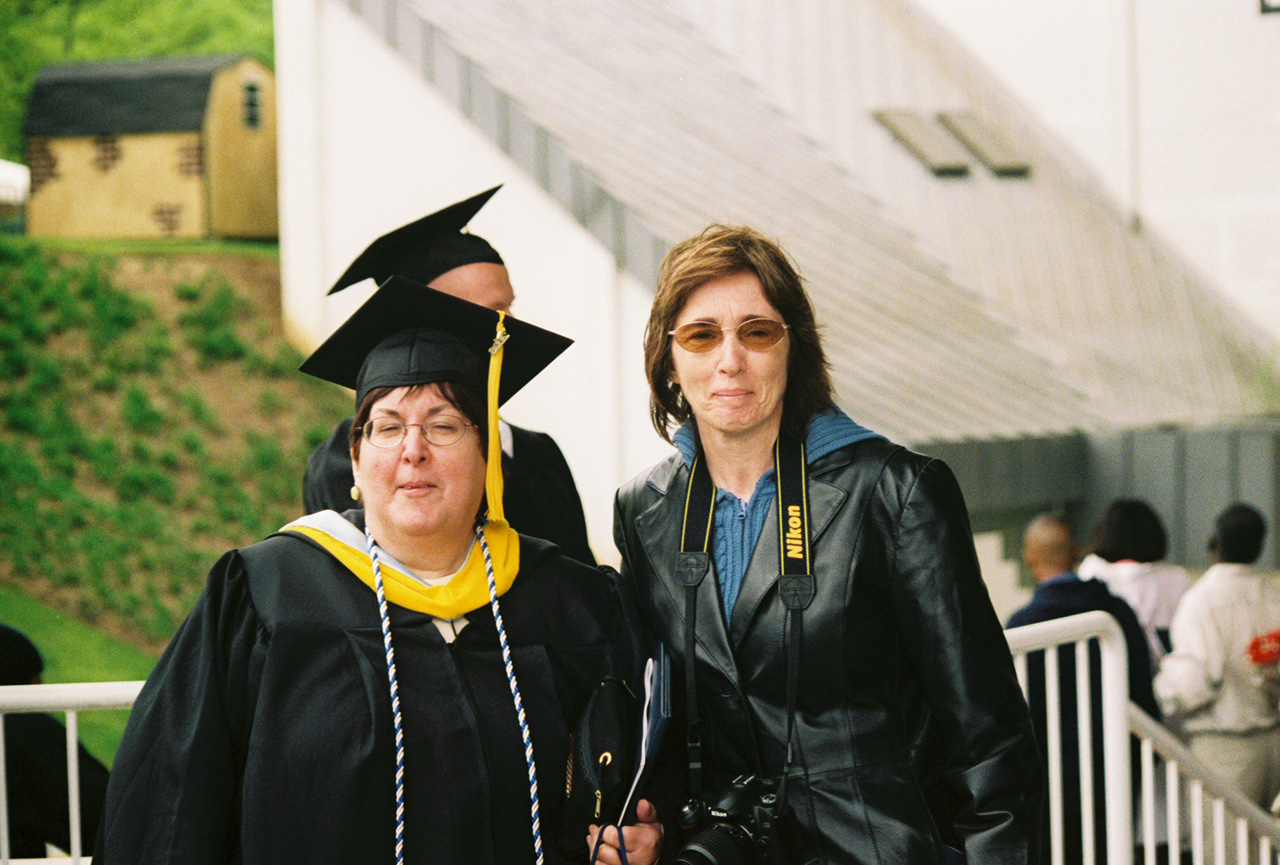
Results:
<point x="35" y="748"/>
<point x="540" y="497"/>
<point x="265" y="733"/>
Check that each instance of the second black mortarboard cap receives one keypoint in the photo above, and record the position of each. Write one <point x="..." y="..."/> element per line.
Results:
<point x="408" y="334"/>
<point x="425" y="248"/>
<point x="20" y="660"/>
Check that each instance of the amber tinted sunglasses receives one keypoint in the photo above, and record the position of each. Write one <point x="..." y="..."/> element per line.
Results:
<point x="757" y="334"/>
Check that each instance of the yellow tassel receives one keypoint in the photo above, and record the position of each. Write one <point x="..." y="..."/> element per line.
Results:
<point x="493" y="473"/>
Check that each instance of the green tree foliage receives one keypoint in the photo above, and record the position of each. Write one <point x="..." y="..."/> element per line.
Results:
<point x="39" y="33"/>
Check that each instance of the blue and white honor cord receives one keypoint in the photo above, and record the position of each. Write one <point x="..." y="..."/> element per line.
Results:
<point x="395" y="692"/>
<point x="395" y="695"/>
<point x="515" y="695"/>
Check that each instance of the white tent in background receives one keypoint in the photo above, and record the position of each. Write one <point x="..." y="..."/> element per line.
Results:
<point x="15" y="182"/>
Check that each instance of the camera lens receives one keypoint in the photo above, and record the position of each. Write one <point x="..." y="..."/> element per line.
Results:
<point x="722" y="844"/>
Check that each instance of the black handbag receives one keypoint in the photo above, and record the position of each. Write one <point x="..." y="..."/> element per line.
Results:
<point x="602" y="756"/>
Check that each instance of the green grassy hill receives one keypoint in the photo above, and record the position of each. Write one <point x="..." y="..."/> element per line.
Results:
<point x="39" y="33"/>
<point x="152" y="417"/>
<point x="75" y="652"/>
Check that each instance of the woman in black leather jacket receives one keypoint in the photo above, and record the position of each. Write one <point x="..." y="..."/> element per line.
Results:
<point x="908" y="732"/>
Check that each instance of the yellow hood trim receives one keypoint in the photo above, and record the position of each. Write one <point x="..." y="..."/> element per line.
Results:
<point x="467" y="591"/>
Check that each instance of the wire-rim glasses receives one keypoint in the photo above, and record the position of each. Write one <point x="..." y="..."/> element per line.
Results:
<point x="386" y="432"/>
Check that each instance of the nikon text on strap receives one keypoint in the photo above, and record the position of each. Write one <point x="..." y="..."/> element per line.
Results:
<point x="796" y="585"/>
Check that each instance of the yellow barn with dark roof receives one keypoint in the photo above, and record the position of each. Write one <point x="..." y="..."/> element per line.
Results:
<point x="180" y="147"/>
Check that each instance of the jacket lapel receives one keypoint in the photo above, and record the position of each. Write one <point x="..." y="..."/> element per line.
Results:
<point x="659" y="530"/>
<point x="764" y="568"/>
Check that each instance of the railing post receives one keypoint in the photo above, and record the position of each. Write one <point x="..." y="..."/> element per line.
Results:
<point x="4" y="800"/>
<point x="73" y="783"/>
<point x="69" y="699"/>
<point x="1115" y="738"/>
<point x="1079" y="629"/>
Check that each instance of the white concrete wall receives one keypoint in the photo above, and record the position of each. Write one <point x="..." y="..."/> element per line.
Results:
<point x="366" y="146"/>
<point x="1000" y="573"/>
<point x="1207" y="115"/>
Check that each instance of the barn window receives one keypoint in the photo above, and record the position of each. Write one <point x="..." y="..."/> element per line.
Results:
<point x="167" y="216"/>
<point x="191" y="160"/>
<point x="42" y="163"/>
<point x="106" y="152"/>
<point x="923" y="139"/>
<point x="252" y="105"/>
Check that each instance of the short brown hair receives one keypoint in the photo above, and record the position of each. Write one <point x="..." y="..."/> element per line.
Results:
<point x="722" y="250"/>
<point x="461" y="397"/>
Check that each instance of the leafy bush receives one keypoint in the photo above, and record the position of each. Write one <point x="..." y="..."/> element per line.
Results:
<point x="138" y="412"/>
<point x="211" y="325"/>
<point x="217" y="344"/>
<point x="199" y="411"/>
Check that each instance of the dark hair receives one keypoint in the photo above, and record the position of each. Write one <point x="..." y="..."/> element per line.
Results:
<point x="1130" y="529"/>
<point x="1237" y="534"/>
<point x="718" y="251"/>
<point x="461" y="397"/>
<point x="20" y="661"/>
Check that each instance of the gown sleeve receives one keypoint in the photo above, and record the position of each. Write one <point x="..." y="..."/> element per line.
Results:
<point x="666" y="788"/>
<point x="173" y="792"/>
<point x="990" y="760"/>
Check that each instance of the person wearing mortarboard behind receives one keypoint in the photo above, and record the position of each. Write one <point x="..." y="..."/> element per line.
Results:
<point x="541" y="497"/>
<point x="35" y="765"/>
<point x="387" y="684"/>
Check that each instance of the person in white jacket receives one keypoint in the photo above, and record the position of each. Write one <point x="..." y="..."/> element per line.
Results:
<point x="1225" y="703"/>
<point x="1127" y="554"/>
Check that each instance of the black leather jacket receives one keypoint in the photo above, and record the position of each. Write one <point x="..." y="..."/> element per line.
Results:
<point x="912" y="728"/>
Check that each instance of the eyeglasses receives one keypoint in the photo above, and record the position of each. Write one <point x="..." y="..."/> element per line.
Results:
<point x="385" y="432"/>
<point x="757" y="334"/>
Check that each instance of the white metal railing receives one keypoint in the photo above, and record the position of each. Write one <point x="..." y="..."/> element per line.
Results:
<point x="1080" y="630"/>
<point x="1192" y="810"/>
<point x="1181" y="802"/>
<point x="71" y="699"/>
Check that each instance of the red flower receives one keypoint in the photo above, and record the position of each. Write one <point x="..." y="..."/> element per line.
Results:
<point x="1264" y="650"/>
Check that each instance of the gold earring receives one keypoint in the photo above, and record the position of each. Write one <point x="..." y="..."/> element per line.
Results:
<point x="355" y="493"/>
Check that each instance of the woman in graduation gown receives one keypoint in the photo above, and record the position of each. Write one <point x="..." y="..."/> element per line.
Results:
<point x="818" y="589"/>
<point x="391" y="687"/>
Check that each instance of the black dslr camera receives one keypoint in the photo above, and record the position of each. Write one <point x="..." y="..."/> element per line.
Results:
<point x="741" y="825"/>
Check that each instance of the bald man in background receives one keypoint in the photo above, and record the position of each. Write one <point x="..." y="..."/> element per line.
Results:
<point x="1050" y="554"/>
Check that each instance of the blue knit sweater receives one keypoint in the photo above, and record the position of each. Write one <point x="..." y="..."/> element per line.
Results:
<point x="736" y="525"/>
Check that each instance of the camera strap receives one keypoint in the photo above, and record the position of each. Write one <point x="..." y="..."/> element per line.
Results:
<point x="796" y="585"/>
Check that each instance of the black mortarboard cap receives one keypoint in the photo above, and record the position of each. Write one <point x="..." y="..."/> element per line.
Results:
<point x="20" y="660"/>
<point x="424" y="249"/>
<point x="407" y="334"/>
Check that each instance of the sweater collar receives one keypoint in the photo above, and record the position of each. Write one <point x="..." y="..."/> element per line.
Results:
<point x="827" y="431"/>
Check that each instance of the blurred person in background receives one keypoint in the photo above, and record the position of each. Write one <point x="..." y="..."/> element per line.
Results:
<point x="1127" y="553"/>
<point x="1049" y="552"/>
<point x="35" y="751"/>
<point x="839" y="673"/>
<point x="396" y="679"/>
<point x="541" y="498"/>
<point x="1224" y="697"/>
